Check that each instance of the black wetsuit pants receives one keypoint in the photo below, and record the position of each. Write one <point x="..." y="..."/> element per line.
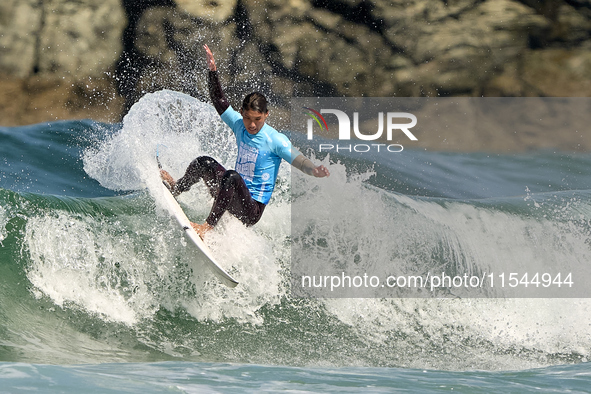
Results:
<point x="226" y="187"/>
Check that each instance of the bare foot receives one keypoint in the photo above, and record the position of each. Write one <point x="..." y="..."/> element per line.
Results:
<point x="201" y="229"/>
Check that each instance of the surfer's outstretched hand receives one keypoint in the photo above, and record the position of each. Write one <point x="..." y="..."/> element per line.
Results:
<point x="210" y="61"/>
<point x="320" y="172"/>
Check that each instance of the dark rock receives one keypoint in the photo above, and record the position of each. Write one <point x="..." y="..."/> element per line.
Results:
<point x="295" y="48"/>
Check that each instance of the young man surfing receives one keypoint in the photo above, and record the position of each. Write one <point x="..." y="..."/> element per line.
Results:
<point x="245" y="191"/>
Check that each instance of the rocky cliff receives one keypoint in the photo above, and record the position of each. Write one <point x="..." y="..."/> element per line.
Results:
<point x="89" y="58"/>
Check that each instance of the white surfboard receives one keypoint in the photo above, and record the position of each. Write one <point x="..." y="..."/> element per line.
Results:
<point x="196" y="240"/>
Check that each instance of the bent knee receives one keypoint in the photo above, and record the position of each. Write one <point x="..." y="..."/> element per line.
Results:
<point x="231" y="178"/>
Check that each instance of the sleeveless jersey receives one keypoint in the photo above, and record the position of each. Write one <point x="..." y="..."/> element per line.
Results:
<point x="259" y="155"/>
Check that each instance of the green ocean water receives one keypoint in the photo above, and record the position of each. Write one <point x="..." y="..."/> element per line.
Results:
<point x="98" y="292"/>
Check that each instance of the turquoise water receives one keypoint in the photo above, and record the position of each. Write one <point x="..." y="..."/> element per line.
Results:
<point x="188" y="377"/>
<point x="98" y="292"/>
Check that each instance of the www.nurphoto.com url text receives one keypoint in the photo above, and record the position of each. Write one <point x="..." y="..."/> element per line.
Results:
<point x="440" y="280"/>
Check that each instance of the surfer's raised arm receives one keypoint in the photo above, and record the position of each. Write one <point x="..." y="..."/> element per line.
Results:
<point x="220" y="102"/>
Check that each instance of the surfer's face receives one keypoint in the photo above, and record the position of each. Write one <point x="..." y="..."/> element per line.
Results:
<point x="253" y="120"/>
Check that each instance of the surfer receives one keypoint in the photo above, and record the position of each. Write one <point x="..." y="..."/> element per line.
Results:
<point x="245" y="191"/>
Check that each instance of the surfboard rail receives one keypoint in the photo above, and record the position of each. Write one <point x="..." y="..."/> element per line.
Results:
<point x="196" y="240"/>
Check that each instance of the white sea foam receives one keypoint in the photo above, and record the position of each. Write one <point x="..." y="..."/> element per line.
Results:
<point x="367" y="230"/>
<point x="76" y="259"/>
<point x="3" y="221"/>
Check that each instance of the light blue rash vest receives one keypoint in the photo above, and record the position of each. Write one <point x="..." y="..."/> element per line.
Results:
<point x="259" y="155"/>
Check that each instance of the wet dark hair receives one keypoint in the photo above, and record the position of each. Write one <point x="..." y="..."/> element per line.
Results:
<point x="255" y="102"/>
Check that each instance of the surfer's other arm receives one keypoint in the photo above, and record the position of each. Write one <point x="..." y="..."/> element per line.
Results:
<point x="305" y="165"/>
